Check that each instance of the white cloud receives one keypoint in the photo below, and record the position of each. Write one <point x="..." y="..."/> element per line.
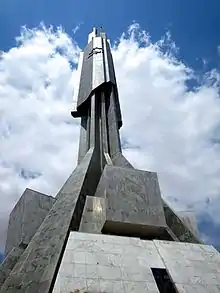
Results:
<point x="37" y="132"/>
<point x="167" y="128"/>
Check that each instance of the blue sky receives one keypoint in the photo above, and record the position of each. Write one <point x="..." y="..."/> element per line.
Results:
<point x="194" y="27"/>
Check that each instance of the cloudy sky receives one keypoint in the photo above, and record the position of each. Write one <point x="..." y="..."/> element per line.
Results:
<point x="166" y="56"/>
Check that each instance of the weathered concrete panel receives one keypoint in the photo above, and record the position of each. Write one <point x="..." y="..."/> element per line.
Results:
<point x="112" y="124"/>
<point x="36" y="269"/>
<point x="133" y="201"/>
<point x="83" y="140"/>
<point x="178" y="227"/>
<point x="9" y="262"/>
<point x="189" y="219"/>
<point x="106" y="263"/>
<point x="110" y="264"/>
<point x="14" y="232"/>
<point x="184" y="288"/>
<point x="192" y="267"/>
<point x="26" y="217"/>
<point x="92" y="260"/>
<point x="120" y="161"/>
<point x="94" y="215"/>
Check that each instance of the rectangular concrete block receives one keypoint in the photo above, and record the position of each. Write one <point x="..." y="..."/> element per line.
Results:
<point x="130" y="265"/>
<point x="94" y="215"/>
<point x="133" y="201"/>
<point x="111" y="265"/>
<point x="26" y="217"/>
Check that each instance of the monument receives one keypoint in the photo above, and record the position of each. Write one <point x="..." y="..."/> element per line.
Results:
<point x="108" y="228"/>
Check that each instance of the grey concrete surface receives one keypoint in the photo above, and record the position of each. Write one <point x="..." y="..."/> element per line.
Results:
<point x="97" y="69"/>
<point x="115" y="264"/>
<point x="133" y="200"/>
<point x="120" y="161"/>
<point x="94" y="215"/>
<point x="105" y="263"/>
<point x="36" y="269"/>
<point x="178" y="227"/>
<point x="112" y="125"/>
<point x="192" y="267"/>
<point x="83" y="140"/>
<point x="26" y="217"/>
<point x="189" y="219"/>
<point x="126" y="202"/>
<point x="9" y="262"/>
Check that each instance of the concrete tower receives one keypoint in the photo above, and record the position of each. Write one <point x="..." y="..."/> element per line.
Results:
<point x="108" y="229"/>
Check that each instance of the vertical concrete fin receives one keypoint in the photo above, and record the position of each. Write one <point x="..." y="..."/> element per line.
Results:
<point x="36" y="269"/>
<point x="178" y="227"/>
<point x="9" y="262"/>
<point x="189" y="218"/>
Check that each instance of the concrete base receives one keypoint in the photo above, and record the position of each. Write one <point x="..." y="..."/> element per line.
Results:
<point x="114" y="264"/>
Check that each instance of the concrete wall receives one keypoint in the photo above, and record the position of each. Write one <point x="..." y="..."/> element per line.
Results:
<point x="113" y="264"/>
<point x="178" y="226"/>
<point x="9" y="262"/>
<point x="133" y="201"/>
<point x="26" y="217"/>
<point x="189" y="218"/>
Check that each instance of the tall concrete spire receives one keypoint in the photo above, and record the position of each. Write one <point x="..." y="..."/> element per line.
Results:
<point x="108" y="228"/>
<point x="97" y="100"/>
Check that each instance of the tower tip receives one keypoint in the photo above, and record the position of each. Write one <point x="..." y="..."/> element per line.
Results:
<point x="97" y="32"/>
